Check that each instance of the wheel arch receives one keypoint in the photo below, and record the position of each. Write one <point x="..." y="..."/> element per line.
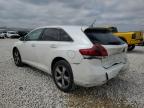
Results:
<point x="56" y="59"/>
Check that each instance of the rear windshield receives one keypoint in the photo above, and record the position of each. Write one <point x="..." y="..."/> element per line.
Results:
<point x="103" y="36"/>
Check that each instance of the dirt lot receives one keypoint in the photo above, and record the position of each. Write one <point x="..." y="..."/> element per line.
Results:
<point x="26" y="87"/>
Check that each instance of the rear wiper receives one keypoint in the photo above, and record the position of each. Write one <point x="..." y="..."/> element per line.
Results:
<point x="114" y="43"/>
<point x="95" y="42"/>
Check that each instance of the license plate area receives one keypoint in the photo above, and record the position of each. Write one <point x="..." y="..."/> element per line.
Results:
<point x="113" y="60"/>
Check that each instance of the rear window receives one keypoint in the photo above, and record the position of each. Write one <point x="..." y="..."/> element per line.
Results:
<point x="103" y="36"/>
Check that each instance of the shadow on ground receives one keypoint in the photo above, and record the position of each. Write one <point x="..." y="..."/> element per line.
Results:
<point x="136" y="51"/>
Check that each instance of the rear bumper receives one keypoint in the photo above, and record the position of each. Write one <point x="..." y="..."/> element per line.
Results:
<point x="125" y="67"/>
<point x="88" y="74"/>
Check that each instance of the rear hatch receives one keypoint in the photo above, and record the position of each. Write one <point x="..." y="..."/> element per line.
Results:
<point x="115" y="47"/>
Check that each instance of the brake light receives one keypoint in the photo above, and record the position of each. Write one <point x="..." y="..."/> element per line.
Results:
<point x="96" y="50"/>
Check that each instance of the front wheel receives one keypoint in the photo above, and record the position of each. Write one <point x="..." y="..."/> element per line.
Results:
<point x="131" y="47"/>
<point x="63" y="76"/>
<point x="17" y="58"/>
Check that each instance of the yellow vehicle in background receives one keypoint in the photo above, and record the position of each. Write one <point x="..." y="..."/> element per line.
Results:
<point x="132" y="38"/>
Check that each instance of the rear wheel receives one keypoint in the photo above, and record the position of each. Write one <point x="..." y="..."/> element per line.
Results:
<point x="131" y="47"/>
<point x="63" y="76"/>
<point x="17" y="58"/>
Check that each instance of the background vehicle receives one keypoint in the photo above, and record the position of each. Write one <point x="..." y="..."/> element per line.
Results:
<point x="73" y="55"/>
<point x="12" y="34"/>
<point x="22" y="32"/>
<point x="3" y="34"/>
<point x="132" y="38"/>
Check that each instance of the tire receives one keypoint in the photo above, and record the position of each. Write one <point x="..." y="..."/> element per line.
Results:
<point x="63" y="76"/>
<point x="131" y="47"/>
<point x="2" y="37"/>
<point x="17" y="58"/>
<point x="5" y="35"/>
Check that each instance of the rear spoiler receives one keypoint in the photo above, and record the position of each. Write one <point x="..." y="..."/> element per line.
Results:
<point x="84" y="28"/>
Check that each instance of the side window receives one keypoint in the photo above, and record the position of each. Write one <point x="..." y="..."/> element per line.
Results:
<point x="50" y="34"/>
<point x="64" y="36"/>
<point x="34" y="35"/>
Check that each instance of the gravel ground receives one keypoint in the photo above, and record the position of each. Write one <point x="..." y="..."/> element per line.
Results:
<point x="27" y="87"/>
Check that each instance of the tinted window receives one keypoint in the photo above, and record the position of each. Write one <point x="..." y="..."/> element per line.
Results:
<point x="22" y="33"/>
<point x="64" y="36"/>
<point x="34" y="35"/>
<point x="113" y="29"/>
<point x="51" y="34"/>
<point x="104" y="37"/>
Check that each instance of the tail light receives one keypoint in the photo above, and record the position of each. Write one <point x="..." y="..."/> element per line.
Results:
<point x="96" y="51"/>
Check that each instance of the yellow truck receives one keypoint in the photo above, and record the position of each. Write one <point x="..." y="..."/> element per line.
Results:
<point x="132" y="38"/>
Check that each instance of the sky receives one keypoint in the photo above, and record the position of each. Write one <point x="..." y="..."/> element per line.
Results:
<point x="125" y="14"/>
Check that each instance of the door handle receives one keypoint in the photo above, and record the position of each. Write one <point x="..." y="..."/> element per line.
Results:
<point x="33" y="45"/>
<point x="53" y="46"/>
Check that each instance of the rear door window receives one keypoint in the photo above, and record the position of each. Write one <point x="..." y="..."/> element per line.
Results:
<point x="64" y="36"/>
<point x="103" y="36"/>
<point x="55" y="34"/>
<point x="50" y="34"/>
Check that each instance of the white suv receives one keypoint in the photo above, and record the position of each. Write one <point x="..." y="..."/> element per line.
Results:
<point x="12" y="34"/>
<point x="73" y="55"/>
<point x="2" y="34"/>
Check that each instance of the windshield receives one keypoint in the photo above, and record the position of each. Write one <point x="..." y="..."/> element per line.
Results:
<point x="102" y="36"/>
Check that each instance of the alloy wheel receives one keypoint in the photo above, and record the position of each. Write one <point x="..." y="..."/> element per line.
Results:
<point x="16" y="57"/>
<point x="62" y="76"/>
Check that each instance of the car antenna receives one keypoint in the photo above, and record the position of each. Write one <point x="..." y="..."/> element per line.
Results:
<point x="92" y="25"/>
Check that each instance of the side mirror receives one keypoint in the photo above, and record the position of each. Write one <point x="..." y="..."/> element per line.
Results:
<point x="22" y="38"/>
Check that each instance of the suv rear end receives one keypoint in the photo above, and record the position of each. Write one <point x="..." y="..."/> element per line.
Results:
<point x="73" y="55"/>
<point x="102" y="60"/>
